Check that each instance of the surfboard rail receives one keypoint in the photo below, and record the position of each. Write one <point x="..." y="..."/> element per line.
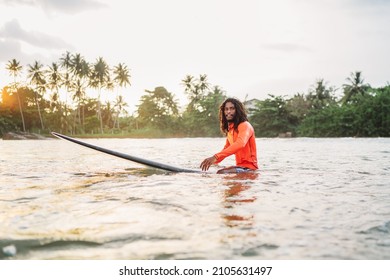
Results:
<point x="139" y="160"/>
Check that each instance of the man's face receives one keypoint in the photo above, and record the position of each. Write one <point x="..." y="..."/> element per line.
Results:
<point x="230" y="111"/>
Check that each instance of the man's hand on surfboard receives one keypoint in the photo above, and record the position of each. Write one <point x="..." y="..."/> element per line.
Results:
<point x="205" y="165"/>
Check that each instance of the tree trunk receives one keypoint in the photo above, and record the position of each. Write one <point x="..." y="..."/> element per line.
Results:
<point x="21" y="112"/>
<point x="39" y="110"/>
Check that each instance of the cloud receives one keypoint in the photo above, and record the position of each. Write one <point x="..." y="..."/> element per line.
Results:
<point x="13" y="31"/>
<point x="372" y="2"/>
<point x="286" y="47"/>
<point x="9" y="49"/>
<point x="59" y="6"/>
<point x="13" y="50"/>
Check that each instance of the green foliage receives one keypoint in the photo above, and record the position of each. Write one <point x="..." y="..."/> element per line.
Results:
<point x="7" y="122"/>
<point x="372" y="113"/>
<point x="320" y="96"/>
<point x="317" y="114"/>
<point x="158" y="109"/>
<point x="201" y="117"/>
<point x="367" y="116"/>
<point x="91" y="124"/>
<point x="298" y="107"/>
<point x="355" y="88"/>
<point x="271" y="117"/>
<point x="324" y="123"/>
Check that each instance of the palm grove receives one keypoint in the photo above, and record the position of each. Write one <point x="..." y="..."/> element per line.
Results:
<point x="33" y="104"/>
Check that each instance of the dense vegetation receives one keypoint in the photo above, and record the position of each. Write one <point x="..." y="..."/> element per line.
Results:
<point x="34" y="105"/>
<point x="361" y="112"/>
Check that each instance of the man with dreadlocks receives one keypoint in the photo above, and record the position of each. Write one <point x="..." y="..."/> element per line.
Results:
<point x="240" y="139"/>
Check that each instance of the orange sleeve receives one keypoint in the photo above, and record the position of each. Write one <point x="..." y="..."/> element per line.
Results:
<point x="227" y="144"/>
<point x="244" y="133"/>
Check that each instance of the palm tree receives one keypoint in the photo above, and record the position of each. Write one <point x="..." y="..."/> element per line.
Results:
<point x="54" y="81"/>
<point x="122" y="75"/>
<point x="355" y="87"/>
<point x="110" y="87"/>
<point x="320" y="95"/>
<point x="66" y="64"/>
<point x="122" y="78"/>
<point x="203" y="84"/>
<point x="81" y="70"/>
<point x="188" y="82"/>
<point x="120" y="105"/>
<point x="15" y="68"/>
<point x="195" y="89"/>
<point x="99" y="78"/>
<point x="79" y="93"/>
<point x="36" y="76"/>
<point x="54" y="78"/>
<point x="75" y="64"/>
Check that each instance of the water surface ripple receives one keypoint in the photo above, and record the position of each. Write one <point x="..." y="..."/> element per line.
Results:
<point x="312" y="199"/>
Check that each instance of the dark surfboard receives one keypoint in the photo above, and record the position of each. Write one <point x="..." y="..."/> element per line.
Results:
<point x="128" y="157"/>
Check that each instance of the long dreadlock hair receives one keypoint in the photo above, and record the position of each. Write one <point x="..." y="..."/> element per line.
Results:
<point x="239" y="118"/>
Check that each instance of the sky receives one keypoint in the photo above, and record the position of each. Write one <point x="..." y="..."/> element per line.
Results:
<point x="250" y="48"/>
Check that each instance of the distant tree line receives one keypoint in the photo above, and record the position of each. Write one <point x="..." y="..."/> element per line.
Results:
<point x="34" y="104"/>
<point x="362" y="111"/>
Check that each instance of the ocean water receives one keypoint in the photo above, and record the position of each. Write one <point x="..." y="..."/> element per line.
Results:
<point x="312" y="199"/>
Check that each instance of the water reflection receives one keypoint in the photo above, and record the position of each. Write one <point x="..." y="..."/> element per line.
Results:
<point x="236" y="198"/>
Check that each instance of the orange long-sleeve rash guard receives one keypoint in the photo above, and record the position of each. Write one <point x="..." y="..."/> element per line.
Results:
<point x="242" y="144"/>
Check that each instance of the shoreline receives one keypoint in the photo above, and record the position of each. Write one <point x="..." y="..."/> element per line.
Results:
<point x="17" y="135"/>
<point x="35" y="136"/>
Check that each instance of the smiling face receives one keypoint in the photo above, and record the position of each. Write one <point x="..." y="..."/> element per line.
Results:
<point x="230" y="111"/>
